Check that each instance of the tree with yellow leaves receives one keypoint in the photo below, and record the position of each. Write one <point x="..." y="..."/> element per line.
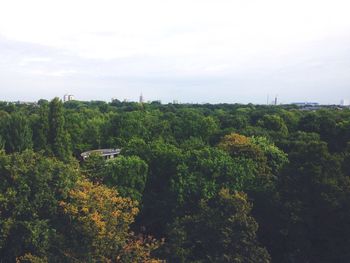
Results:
<point x="97" y="226"/>
<point x="239" y="145"/>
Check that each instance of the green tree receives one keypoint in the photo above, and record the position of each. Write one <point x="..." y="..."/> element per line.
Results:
<point x="245" y="150"/>
<point x="3" y="119"/>
<point x="158" y="201"/>
<point x="315" y="198"/>
<point x="137" y="147"/>
<point x="74" y="125"/>
<point x="127" y="174"/>
<point x="92" y="133"/>
<point x="191" y="123"/>
<point x="265" y="162"/>
<point x="203" y="173"/>
<point x="93" y="167"/>
<point x="274" y="123"/>
<point x="17" y="134"/>
<point x="58" y="136"/>
<point x="30" y="187"/>
<point x="276" y="158"/>
<point x="40" y="127"/>
<point x="222" y="230"/>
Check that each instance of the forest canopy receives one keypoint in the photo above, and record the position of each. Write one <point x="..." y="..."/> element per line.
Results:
<point x="193" y="183"/>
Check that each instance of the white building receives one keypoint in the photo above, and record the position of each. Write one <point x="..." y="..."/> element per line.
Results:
<point x="68" y="97"/>
<point x="344" y="102"/>
<point x="106" y="153"/>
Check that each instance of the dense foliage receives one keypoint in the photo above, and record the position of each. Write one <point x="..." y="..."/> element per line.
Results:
<point x="193" y="183"/>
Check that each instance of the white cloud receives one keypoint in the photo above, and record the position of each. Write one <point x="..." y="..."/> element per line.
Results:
<point x="33" y="60"/>
<point x="172" y="28"/>
<point x="175" y="40"/>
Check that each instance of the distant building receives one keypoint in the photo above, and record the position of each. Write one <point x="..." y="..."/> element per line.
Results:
<point x="344" y="102"/>
<point x="68" y="97"/>
<point x="303" y="104"/>
<point x="106" y="153"/>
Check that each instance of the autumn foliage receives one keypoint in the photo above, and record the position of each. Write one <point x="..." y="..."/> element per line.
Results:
<point x="102" y="218"/>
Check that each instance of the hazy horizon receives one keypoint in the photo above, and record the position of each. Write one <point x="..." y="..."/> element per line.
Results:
<point x="190" y="51"/>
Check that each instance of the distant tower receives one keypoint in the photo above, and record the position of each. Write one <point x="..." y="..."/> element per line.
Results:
<point x="141" y="98"/>
<point x="275" y="102"/>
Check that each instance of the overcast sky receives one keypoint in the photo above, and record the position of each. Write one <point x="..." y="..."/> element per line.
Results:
<point x="186" y="50"/>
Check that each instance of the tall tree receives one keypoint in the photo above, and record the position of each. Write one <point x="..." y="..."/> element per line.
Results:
<point x="58" y="136"/>
<point x="40" y="126"/>
<point x="158" y="201"/>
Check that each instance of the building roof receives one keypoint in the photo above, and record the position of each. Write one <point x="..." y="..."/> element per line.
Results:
<point x="102" y="152"/>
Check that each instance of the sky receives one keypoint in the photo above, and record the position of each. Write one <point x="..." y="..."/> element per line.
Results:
<point x="200" y="51"/>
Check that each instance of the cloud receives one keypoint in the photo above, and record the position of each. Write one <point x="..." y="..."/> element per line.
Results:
<point x="195" y="50"/>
